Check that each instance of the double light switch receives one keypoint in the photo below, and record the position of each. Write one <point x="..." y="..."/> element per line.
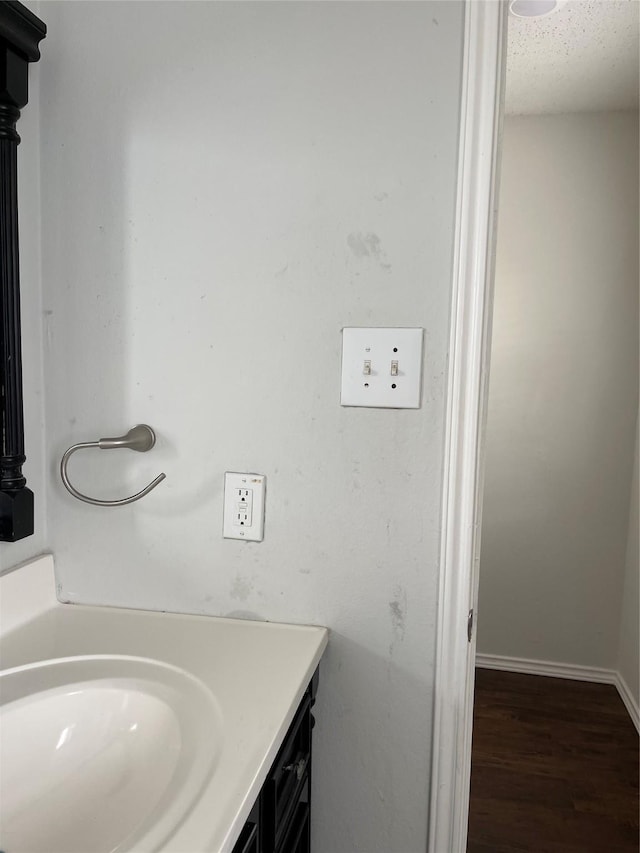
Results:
<point x="381" y="368"/>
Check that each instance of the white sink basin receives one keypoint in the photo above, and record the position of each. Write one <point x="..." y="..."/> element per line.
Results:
<point x="101" y="753"/>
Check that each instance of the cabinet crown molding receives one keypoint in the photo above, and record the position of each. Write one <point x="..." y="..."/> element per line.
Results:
<point x="21" y="29"/>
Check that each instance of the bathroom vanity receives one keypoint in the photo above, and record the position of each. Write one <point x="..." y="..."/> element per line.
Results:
<point x="183" y="733"/>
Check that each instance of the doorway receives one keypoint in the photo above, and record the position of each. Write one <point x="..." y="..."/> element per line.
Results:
<point x="557" y="563"/>
<point x="481" y="112"/>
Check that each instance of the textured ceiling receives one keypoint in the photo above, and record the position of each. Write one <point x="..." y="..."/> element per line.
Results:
<point x="582" y="58"/>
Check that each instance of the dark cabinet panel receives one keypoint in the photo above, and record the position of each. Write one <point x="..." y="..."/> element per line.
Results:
<point x="280" y="820"/>
<point x="248" y="841"/>
<point x="288" y="779"/>
<point x="297" y="839"/>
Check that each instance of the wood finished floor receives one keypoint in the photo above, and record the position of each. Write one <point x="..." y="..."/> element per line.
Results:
<point x="554" y="767"/>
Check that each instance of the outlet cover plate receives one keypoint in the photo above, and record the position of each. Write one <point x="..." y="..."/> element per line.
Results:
<point x="243" y="514"/>
<point x="369" y="358"/>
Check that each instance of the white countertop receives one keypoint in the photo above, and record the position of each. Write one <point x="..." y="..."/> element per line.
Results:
<point x="258" y="672"/>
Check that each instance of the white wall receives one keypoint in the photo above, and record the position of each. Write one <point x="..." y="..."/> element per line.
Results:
<point x="13" y="553"/>
<point x="564" y="390"/>
<point x="629" y="648"/>
<point x="226" y="185"/>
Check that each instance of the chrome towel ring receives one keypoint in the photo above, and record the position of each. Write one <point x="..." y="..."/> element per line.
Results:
<point x="140" y="438"/>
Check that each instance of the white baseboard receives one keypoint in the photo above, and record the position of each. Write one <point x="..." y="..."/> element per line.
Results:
<point x="549" y="668"/>
<point x="574" y="672"/>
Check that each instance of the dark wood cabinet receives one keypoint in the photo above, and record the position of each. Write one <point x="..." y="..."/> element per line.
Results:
<point x="279" y="821"/>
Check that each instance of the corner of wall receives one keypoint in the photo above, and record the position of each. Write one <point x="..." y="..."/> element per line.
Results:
<point x="629" y="640"/>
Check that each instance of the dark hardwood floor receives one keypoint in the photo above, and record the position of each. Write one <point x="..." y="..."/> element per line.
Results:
<point x="554" y="767"/>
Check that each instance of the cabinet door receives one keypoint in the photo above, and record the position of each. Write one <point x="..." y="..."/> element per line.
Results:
<point x="280" y="819"/>
<point x="288" y="781"/>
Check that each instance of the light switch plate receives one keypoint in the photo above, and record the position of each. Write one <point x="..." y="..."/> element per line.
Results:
<point x="381" y="368"/>
<point x="243" y="516"/>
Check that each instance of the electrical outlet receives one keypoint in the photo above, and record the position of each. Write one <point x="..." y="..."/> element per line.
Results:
<point x="243" y="516"/>
<point x="244" y="506"/>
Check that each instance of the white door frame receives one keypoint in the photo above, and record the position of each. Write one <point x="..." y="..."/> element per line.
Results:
<point x="471" y="308"/>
